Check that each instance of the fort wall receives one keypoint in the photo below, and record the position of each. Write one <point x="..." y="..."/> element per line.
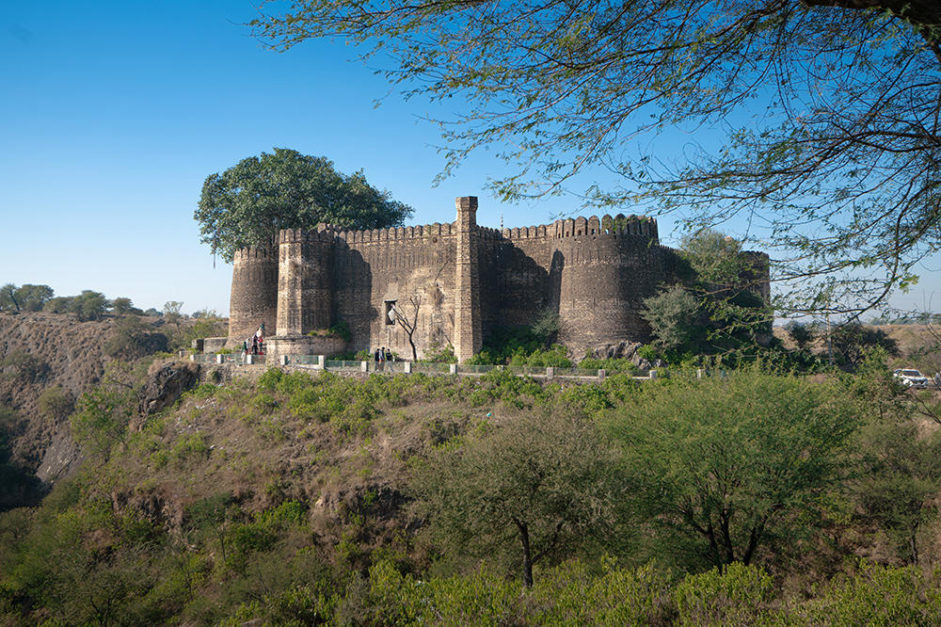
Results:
<point x="456" y="282"/>
<point x="411" y="269"/>
<point x="594" y="272"/>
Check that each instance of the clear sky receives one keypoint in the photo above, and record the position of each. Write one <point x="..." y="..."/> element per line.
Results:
<point x="114" y="112"/>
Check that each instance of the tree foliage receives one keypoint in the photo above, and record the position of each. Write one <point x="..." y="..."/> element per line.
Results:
<point x="18" y="486"/>
<point x="897" y="484"/>
<point x="725" y="466"/>
<point x="535" y="486"/>
<point x="56" y="403"/>
<point x="123" y="306"/>
<point x="853" y="342"/>
<point x="24" y="367"/>
<point x="250" y="202"/>
<point x="719" y="305"/>
<point x="827" y="111"/>
<point x="26" y="297"/>
<point x="102" y="414"/>
<point x="89" y="305"/>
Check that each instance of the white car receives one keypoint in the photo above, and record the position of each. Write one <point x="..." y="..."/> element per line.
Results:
<point x="911" y="378"/>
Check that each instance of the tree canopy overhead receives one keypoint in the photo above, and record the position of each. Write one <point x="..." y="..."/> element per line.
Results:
<point x="829" y="111"/>
<point x="251" y="201"/>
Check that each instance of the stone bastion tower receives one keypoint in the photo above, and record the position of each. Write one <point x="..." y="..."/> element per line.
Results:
<point x="328" y="290"/>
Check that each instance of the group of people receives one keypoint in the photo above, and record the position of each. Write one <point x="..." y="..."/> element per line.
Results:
<point x="257" y="343"/>
<point x="381" y="356"/>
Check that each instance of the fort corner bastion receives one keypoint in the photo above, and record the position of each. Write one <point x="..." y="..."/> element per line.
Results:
<point x="454" y="282"/>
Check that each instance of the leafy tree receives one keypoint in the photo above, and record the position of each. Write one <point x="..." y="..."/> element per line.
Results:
<point x="545" y="485"/>
<point x="56" y="403"/>
<point x="719" y="306"/>
<point x="24" y="298"/>
<point x="676" y="320"/>
<point x="8" y="300"/>
<point x="248" y="203"/>
<point x="854" y="341"/>
<point x="830" y="107"/>
<point x="89" y="305"/>
<point x="58" y="304"/>
<point x="801" y="334"/>
<point x="898" y="479"/>
<point x="33" y="297"/>
<point x="725" y="466"/>
<point x="173" y="312"/>
<point x="123" y="306"/>
<point x="25" y="367"/>
<point x="103" y="413"/>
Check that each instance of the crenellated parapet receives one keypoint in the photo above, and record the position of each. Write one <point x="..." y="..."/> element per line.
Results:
<point x="593" y="226"/>
<point x="322" y="233"/>
<point x="394" y="234"/>
<point x="257" y="253"/>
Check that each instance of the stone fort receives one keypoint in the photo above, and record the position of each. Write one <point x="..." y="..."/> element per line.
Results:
<point x="453" y="282"/>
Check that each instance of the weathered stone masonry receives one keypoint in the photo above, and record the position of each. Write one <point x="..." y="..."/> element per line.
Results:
<point x="458" y="281"/>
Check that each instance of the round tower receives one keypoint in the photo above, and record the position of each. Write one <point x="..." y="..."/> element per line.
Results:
<point x="603" y="270"/>
<point x="254" y="300"/>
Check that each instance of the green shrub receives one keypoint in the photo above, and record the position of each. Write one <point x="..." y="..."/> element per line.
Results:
<point x="609" y="365"/>
<point x="877" y="595"/>
<point x="570" y="594"/>
<point x="56" y="403"/>
<point x="188" y="446"/>
<point x="440" y="354"/>
<point x="203" y="391"/>
<point x="102" y="417"/>
<point x="341" y="330"/>
<point x="24" y="367"/>
<point x="734" y="595"/>
<point x="556" y="356"/>
<point x="590" y="397"/>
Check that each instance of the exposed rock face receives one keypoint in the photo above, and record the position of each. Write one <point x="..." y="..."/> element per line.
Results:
<point x="626" y="350"/>
<point x="167" y="382"/>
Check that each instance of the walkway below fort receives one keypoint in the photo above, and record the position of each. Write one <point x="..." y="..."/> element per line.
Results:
<point x="320" y="363"/>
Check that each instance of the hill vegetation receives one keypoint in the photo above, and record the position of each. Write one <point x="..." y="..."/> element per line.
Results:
<point x="289" y="498"/>
<point x="777" y="489"/>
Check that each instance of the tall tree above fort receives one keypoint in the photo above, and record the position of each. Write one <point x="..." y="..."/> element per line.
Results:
<point x="251" y="201"/>
<point x="828" y="112"/>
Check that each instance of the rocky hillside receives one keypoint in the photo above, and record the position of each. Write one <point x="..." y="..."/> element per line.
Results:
<point x="61" y="357"/>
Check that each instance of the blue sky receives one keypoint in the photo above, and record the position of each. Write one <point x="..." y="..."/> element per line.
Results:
<point x="115" y="112"/>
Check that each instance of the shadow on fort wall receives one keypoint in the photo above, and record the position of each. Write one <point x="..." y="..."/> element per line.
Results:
<point x="555" y="281"/>
<point x="352" y="284"/>
<point x="514" y="288"/>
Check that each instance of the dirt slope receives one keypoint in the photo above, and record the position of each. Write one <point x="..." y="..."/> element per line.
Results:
<point x="71" y="355"/>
